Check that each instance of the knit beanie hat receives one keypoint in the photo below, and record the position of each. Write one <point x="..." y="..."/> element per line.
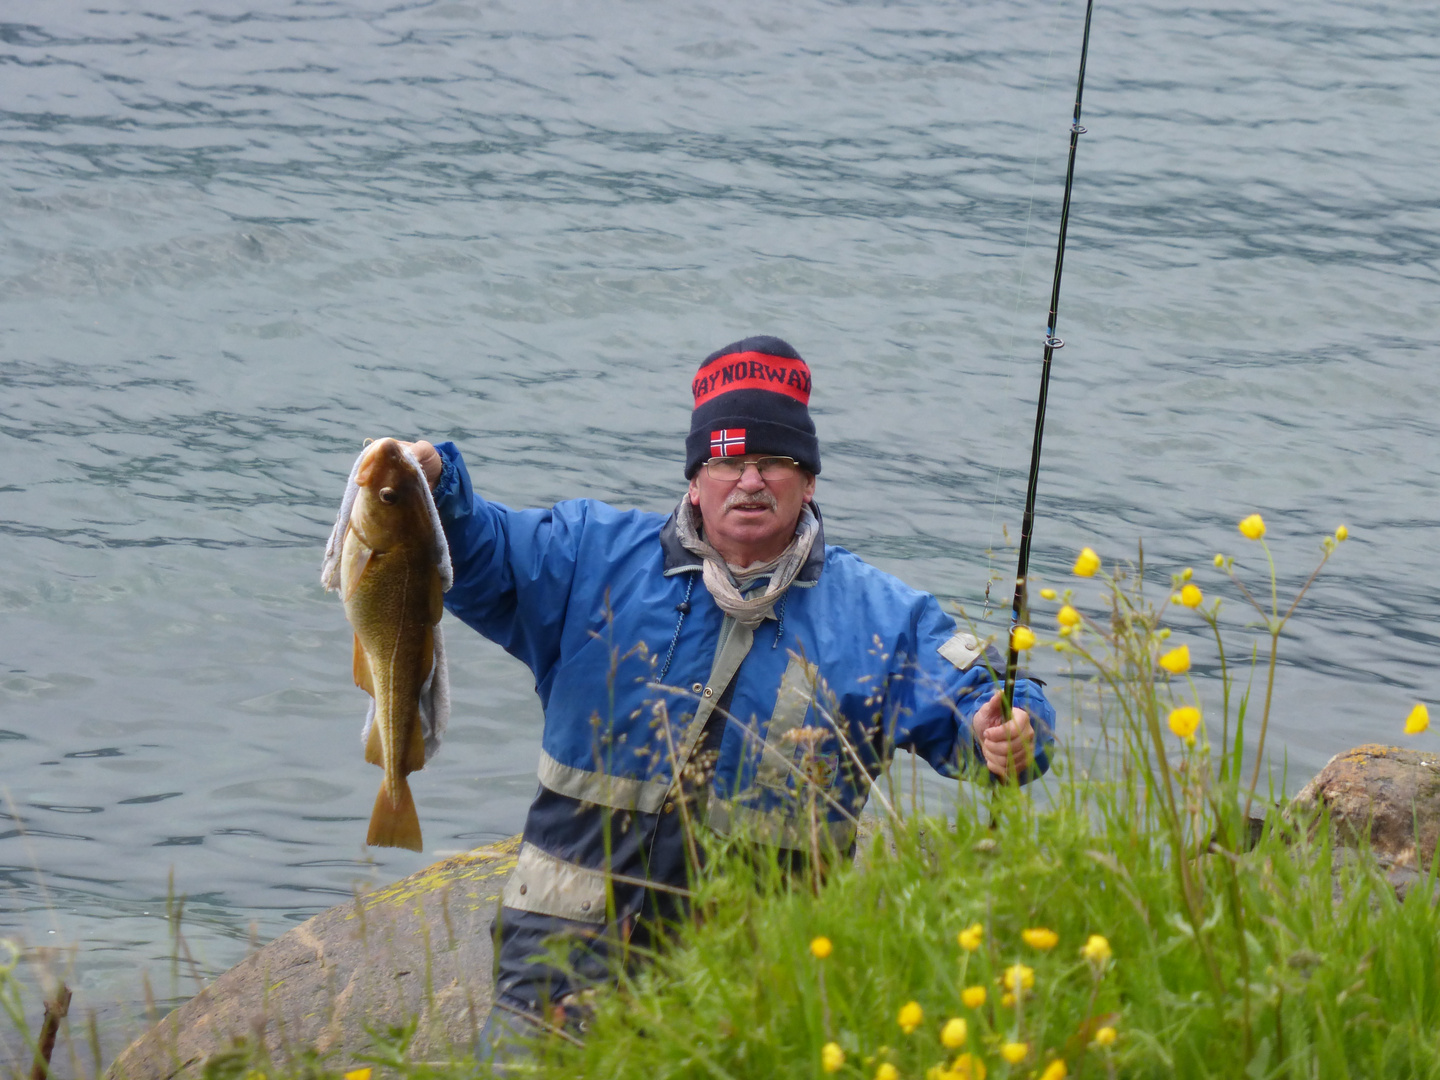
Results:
<point x="752" y="397"/>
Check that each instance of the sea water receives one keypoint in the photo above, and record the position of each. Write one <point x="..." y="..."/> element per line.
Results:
<point x="239" y="238"/>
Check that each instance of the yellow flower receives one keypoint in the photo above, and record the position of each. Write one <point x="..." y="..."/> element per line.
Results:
<point x="1021" y="639"/>
<point x="1007" y="1000"/>
<point x="1177" y="660"/>
<point x="1040" y="938"/>
<point x="1049" y="594"/>
<point x="831" y="1057"/>
<point x="1253" y="527"/>
<point x="821" y="947"/>
<point x="1013" y="1052"/>
<point x="1105" y="1036"/>
<point x="1418" y="720"/>
<point x="1019" y="977"/>
<point x="1342" y="534"/>
<point x="886" y="1071"/>
<point x="1187" y="573"/>
<point x="1219" y="561"/>
<point x="1056" y="1070"/>
<point x="973" y="996"/>
<point x="353" y="1074"/>
<point x="1184" y="720"/>
<point x="954" y="1033"/>
<point x="911" y="1016"/>
<point x="1067" y="617"/>
<point x="1191" y="596"/>
<point x="1096" y="949"/>
<point x="971" y="937"/>
<point x="966" y="1067"/>
<point x="1086" y="564"/>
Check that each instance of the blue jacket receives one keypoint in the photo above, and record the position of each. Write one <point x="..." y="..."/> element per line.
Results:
<point x="637" y="669"/>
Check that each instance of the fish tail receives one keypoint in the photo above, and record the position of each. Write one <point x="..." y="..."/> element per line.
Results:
<point x="394" y="823"/>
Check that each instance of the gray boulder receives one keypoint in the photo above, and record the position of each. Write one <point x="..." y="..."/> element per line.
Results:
<point x="1386" y="794"/>
<point x="1387" y="797"/>
<point x="415" y="950"/>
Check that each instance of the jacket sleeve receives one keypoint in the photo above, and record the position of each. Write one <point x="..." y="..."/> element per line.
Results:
<point x="932" y="702"/>
<point x="514" y="569"/>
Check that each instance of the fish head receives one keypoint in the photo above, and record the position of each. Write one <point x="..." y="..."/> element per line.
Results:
<point x="390" y="507"/>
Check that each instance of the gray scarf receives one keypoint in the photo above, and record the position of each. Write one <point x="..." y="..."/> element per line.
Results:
<point x="718" y="575"/>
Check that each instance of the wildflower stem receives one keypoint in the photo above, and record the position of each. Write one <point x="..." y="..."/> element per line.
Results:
<point x="1264" y="722"/>
<point x="824" y="1003"/>
<point x="1213" y="618"/>
<point x="1305" y="588"/>
<point x="1249" y="596"/>
<point x="1274" y="585"/>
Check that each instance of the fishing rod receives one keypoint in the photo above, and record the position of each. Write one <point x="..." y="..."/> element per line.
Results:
<point x="1052" y="343"/>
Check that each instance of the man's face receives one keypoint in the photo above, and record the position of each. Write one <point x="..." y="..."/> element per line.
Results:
<point x="751" y="519"/>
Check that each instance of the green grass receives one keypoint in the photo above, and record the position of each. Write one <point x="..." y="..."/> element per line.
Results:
<point x="1323" y="989"/>
<point x="1228" y="958"/>
<point x="1225" y="955"/>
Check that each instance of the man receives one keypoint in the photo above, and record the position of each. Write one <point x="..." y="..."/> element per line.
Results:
<point x="718" y="669"/>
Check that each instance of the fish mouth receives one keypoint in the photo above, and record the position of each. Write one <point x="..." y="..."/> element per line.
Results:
<point x="388" y="471"/>
<point x="381" y="457"/>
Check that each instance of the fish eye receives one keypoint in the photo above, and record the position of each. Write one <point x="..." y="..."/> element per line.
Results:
<point x="389" y="496"/>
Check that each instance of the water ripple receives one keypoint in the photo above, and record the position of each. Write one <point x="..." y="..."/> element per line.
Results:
<point x="241" y="238"/>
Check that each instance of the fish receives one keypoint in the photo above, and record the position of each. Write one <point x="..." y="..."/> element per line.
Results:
<point x="388" y="556"/>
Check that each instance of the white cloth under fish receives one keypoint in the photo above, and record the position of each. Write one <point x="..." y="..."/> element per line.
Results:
<point x="435" y="693"/>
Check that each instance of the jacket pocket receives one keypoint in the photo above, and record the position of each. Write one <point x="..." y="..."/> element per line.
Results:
<point x="546" y="884"/>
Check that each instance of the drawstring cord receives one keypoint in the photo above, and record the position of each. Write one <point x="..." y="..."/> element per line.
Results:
<point x="684" y="609"/>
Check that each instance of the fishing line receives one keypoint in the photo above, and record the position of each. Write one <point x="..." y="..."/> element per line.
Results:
<point x="1019" y="291"/>
<point x="1052" y="344"/>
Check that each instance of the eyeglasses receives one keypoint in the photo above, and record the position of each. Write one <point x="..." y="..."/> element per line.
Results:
<point x="730" y="469"/>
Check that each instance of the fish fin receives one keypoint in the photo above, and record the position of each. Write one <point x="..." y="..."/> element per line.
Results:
<point x="374" y="751"/>
<point x="437" y="597"/>
<point x="360" y="664"/>
<point x="395" y="824"/>
<point x="352" y="570"/>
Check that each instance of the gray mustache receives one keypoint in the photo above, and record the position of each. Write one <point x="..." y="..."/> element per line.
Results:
<point x="759" y="498"/>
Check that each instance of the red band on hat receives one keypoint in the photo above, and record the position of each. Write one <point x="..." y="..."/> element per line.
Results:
<point x="752" y="371"/>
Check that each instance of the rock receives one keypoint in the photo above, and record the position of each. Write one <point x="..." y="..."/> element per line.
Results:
<point x="419" y="948"/>
<point x="1387" y="794"/>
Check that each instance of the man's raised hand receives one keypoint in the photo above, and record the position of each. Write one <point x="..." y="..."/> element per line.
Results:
<point x="429" y="459"/>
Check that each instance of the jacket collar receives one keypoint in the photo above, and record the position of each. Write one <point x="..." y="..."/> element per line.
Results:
<point x="679" y="559"/>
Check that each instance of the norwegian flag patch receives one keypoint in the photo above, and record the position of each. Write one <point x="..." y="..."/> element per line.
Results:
<point x="727" y="442"/>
